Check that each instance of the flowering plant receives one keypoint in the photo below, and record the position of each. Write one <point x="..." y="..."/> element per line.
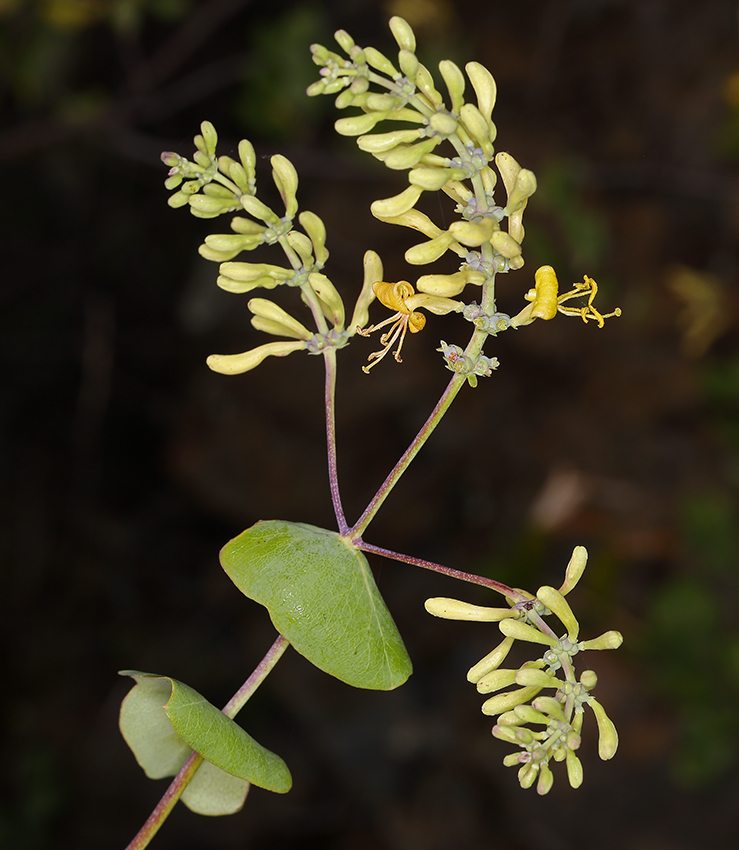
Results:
<point x="316" y="583"/>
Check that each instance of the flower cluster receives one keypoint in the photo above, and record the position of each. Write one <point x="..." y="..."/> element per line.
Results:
<point x="405" y="92"/>
<point x="221" y="185"/>
<point x="557" y="718"/>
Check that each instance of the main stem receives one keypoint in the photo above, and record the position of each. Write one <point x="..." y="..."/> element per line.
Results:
<point x="181" y="781"/>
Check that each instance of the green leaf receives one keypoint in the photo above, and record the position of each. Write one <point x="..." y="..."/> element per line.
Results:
<point x="162" y="720"/>
<point x="321" y="595"/>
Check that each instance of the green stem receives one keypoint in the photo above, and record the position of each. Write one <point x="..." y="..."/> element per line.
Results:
<point x="448" y="396"/>
<point x="181" y="781"/>
<point x="329" y="357"/>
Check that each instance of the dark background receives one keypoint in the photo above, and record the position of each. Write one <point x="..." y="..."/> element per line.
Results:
<point x="126" y="464"/>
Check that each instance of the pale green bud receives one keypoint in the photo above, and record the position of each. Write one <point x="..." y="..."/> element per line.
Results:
<point x="505" y="702"/>
<point x="235" y="171"/>
<point x="457" y="191"/>
<point x="372" y="273"/>
<point x="235" y="364"/>
<point x="314" y="89"/>
<point x="316" y="230"/>
<point x="408" y="62"/>
<point x="208" y="140"/>
<point x="473" y="233"/>
<point x="528" y="714"/>
<point x="443" y="124"/>
<point x="511" y="760"/>
<point x="440" y="306"/>
<point x="216" y="190"/>
<point x="527" y="775"/>
<point x="270" y="326"/>
<point x="546" y="780"/>
<point x="286" y="180"/>
<point x="418" y="221"/>
<point x="588" y="679"/>
<point x="475" y="124"/>
<point x="608" y="640"/>
<point x="531" y="676"/>
<point x="264" y="309"/>
<point x="521" y="631"/>
<point x="204" y="206"/>
<point x="202" y="159"/>
<point x="495" y="680"/>
<point x="575" y="569"/>
<point x="344" y="40"/>
<point x="425" y="84"/>
<point x="330" y="298"/>
<point x="263" y="282"/>
<point x="407" y="156"/>
<point x="429" y="252"/>
<point x="455" y="83"/>
<point x="220" y="247"/>
<point x="403" y="33"/>
<point x="489" y="179"/>
<point x="432" y="179"/>
<point x="383" y="102"/>
<point x="607" y="734"/>
<point x="357" y="125"/>
<point x="248" y="159"/>
<point x="380" y="62"/>
<point x="247" y="272"/>
<point x="397" y="205"/>
<point x="380" y="142"/>
<point x="524" y="187"/>
<point x="509" y="718"/>
<point x="490" y="662"/>
<point x="484" y="86"/>
<point x="512" y="734"/>
<point x="455" y="609"/>
<point x="508" y="168"/>
<point x="303" y="246"/>
<point x="246" y="225"/>
<point x="550" y="706"/>
<point x="259" y="210"/>
<point x="505" y="244"/>
<point x="559" y="606"/>
<point x="344" y="99"/>
<point x="574" y="769"/>
<point x="449" y="285"/>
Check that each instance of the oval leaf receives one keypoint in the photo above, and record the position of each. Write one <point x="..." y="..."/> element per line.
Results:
<point x="214" y="792"/>
<point x="201" y="726"/>
<point x="321" y="595"/>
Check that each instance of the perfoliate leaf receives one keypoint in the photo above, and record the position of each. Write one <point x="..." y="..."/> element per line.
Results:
<point x="321" y="595"/>
<point x="214" y="792"/>
<point x="162" y="720"/>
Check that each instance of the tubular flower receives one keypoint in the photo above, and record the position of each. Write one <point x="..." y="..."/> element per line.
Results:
<point x="402" y="298"/>
<point x="516" y="692"/>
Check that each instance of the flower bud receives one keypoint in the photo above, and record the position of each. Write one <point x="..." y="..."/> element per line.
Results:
<point x="417" y="220"/>
<point x="425" y="84"/>
<point x="397" y="205"/>
<point x="259" y="210"/>
<point x="408" y="62"/>
<point x="286" y="180"/>
<point x="495" y="680"/>
<point x="574" y="769"/>
<point x="440" y="306"/>
<point x="344" y="40"/>
<point x="372" y="273"/>
<point x="532" y="676"/>
<point x="330" y="299"/>
<point x="575" y="569"/>
<point x="235" y="364"/>
<point x="588" y="679"/>
<point x="238" y="288"/>
<point x="523" y="188"/>
<point x="478" y="128"/>
<point x="521" y="631"/>
<point x="206" y="143"/>
<point x="455" y="609"/>
<point x="220" y="247"/>
<point x="546" y="780"/>
<point x="473" y="233"/>
<point x="490" y="662"/>
<point x="300" y="243"/>
<point x="505" y="702"/>
<point x="380" y="62"/>
<point x="508" y="168"/>
<point x="291" y="327"/>
<point x="403" y="33"/>
<point x="316" y="230"/>
<point x="357" y="125"/>
<point x="505" y="244"/>
<point x="406" y="156"/>
<point x="527" y="775"/>
<point x="607" y="734"/>
<point x="431" y="179"/>
<point x="608" y="640"/>
<point x="559" y="606"/>
<point x="484" y="85"/>
<point x="247" y="272"/>
<point x="429" y="252"/>
<point x="381" y="142"/>
<point x="443" y="124"/>
<point x="248" y="159"/>
<point x="528" y="714"/>
<point x="455" y="82"/>
<point x="449" y="285"/>
<point x="549" y="706"/>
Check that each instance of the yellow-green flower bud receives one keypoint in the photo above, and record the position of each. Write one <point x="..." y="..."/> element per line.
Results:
<point x="248" y="159"/>
<point x="607" y="734"/>
<point x="220" y="247"/>
<point x="608" y="640"/>
<point x="380" y="62"/>
<point x="235" y="364"/>
<point x="484" y="85"/>
<point x="528" y="714"/>
<point x="508" y="168"/>
<point x="397" y="205"/>
<point x="531" y="676"/>
<point x="269" y="326"/>
<point x="575" y="569"/>
<point x="247" y="272"/>
<point x="523" y="188"/>
<point x="455" y="609"/>
<point x="432" y="179"/>
<point x="406" y="156"/>
<point x="425" y="84"/>
<point x="408" y="62"/>
<point x="559" y="606"/>
<point x="259" y="210"/>
<point x="449" y="285"/>
<point x="495" y="680"/>
<point x="236" y="172"/>
<point x="205" y="206"/>
<point x="303" y="246"/>
<point x="330" y="299"/>
<point x="316" y="230"/>
<point x="238" y="288"/>
<point x="381" y="142"/>
<point x="455" y="82"/>
<point x="550" y="706"/>
<point x="429" y="252"/>
<point x="246" y="225"/>
<point x="357" y="125"/>
<point x="490" y="662"/>
<point x="372" y="273"/>
<point x="478" y="128"/>
<point x="416" y="220"/>
<point x="546" y="780"/>
<point x="473" y="233"/>
<point x="286" y="180"/>
<point x="574" y="769"/>
<point x="505" y="702"/>
<point x="527" y="775"/>
<point x="403" y="33"/>
<point x="588" y="679"/>
<point x="264" y="309"/>
<point x="505" y="244"/>
<point x="440" y="306"/>
<point x="344" y="40"/>
<point x="521" y="631"/>
<point x="206" y="143"/>
<point x="489" y="180"/>
<point x="443" y="124"/>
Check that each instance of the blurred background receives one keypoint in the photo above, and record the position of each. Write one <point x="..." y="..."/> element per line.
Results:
<point x="126" y="464"/>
